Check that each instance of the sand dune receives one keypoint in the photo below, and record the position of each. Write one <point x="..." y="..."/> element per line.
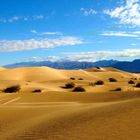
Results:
<point x="49" y="79"/>
<point x="2" y="69"/>
<point x="31" y="73"/>
<point x="60" y="114"/>
<point x="70" y="116"/>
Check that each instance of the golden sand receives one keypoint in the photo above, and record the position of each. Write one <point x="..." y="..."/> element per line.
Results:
<point x="60" y="114"/>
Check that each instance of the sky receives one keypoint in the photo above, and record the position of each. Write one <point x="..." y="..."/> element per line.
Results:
<point x="69" y="30"/>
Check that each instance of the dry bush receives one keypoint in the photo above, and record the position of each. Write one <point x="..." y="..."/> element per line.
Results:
<point x="80" y="79"/>
<point x="79" y="89"/>
<point x="37" y="90"/>
<point x="131" y="82"/>
<point x="112" y="80"/>
<point x="11" y="89"/>
<point x="100" y="82"/>
<point x="117" y="89"/>
<point x="69" y="85"/>
<point x="138" y="85"/>
<point x="98" y="68"/>
<point x="72" y="78"/>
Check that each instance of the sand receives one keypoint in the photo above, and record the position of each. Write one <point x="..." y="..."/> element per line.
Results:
<point x="60" y="114"/>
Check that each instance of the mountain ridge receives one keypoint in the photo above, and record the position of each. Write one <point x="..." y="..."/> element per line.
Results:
<point x="133" y="66"/>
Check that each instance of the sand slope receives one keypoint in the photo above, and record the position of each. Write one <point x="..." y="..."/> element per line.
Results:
<point x="31" y="73"/>
<point x="49" y="79"/>
<point x="55" y="116"/>
<point x="58" y="113"/>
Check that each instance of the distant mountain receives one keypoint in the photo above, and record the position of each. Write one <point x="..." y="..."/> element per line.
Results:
<point x="65" y="64"/>
<point x="133" y="66"/>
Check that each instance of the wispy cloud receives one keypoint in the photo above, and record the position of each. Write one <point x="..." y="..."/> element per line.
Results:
<point x="136" y="32"/>
<point x="38" y="17"/>
<point x="88" y="12"/>
<point x="127" y="14"/>
<point x="52" y="33"/>
<point x="100" y="55"/>
<point x="22" y="18"/>
<point x="121" y="34"/>
<point x="91" y="56"/>
<point x="19" y="45"/>
<point x="15" y="18"/>
<point x="133" y="44"/>
<point x="46" y="33"/>
<point x="11" y="19"/>
<point x="33" y="31"/>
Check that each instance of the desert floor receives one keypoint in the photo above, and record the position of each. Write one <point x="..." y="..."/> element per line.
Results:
<point x="57" y="113"/>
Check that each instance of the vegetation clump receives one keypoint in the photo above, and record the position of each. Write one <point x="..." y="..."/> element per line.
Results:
<point x="37" y="90"/>
<point x="100" y="82"/>
<point x="72" y="78"/>
<point x="131" y="82"/>
<point x="70" y="85"/>
<point x="112" y="80"/>
<point x="80" y="79"/>
<point x="79" y="89"/>
<point x="138" y="85"/>
<point x="117" y="89"/>
<point x="11" y="89"/>
<point x="98" y="68"/>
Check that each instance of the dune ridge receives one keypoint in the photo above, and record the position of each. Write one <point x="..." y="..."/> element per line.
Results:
<point x="49" y="79"/>
<point x="58" y="113"/>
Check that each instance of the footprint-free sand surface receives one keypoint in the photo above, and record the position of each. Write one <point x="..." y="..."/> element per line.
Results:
<point x="57" y="113"/>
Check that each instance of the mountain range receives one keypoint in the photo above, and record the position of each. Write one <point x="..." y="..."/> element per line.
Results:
<point x="128" y="66"/>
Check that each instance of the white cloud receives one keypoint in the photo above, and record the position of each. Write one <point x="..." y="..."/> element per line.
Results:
<point x="19" y="45"/>
<point x="33" y="31"/>
<point x="51" y="33"/>
<point x="127" y="14"/>
<point x="100" y="55"/>
<point x="15" y="18"/>
<point x="38" y="17"/>
<point x="133" y="44"/>
<point x="25" y="18"/>
<point x="92" y="56"/>
<point x="136" y="32"/>
<point x="121" y="34"/>
<point x="88" y="12"/>
<point x="22" y="18"/>
<point x="108" y="54"/>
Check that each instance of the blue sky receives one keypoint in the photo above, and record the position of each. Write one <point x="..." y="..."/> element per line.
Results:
<point x="81" y="30"/>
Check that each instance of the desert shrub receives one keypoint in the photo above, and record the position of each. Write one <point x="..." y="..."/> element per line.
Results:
<point x="117" y="89"/>
<point x="131" y="82"/>
<point x="69" y="85"/>
<point x="138" y="85"/>
<point x="11" y="89"/>
<point x="100" y="82"/>
<point x="79" y="89"/>
<point x="112" y="80"/>
<point x="72" y="78"/>
<point x="98" y="68"/>
<point x="80" y="79"/>
<point x="37" y="90"/>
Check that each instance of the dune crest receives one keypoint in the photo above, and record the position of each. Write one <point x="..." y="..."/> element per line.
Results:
<point x="45" y="108"/>
<point x="31" y="73"/>
<point x="50" y="79"/>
